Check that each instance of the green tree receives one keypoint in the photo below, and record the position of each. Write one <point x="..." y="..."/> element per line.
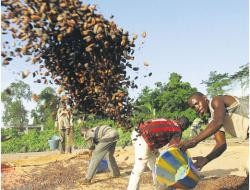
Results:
<point x="46" y="109"/>
<point x="147" y="109"/>
<point x="217" y="83"/>
<point x="14" y="113"/>
<point x="18" y="90"/>
<point x="242" y="76"/>
<point x="174" y="96"/>
<point x="166" y="100"/>
<point x="36" y="118"/>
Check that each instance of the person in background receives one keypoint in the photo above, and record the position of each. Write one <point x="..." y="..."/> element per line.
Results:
<point x="65" y="127"/>
<point x="101" y="142"/>
<point x="147" y="138"/>
<point x="70" y="140"/>
<point x="228" y="113"/>
<point x="196" y="126"/>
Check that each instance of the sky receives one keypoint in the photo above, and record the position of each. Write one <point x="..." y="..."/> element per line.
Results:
<point x="191" y="38"/>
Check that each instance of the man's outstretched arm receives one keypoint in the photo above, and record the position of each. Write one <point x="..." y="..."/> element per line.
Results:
<point x="219" y="148"/>
<point x="212" y="127"/>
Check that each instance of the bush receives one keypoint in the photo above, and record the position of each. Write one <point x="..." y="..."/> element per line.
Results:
<point x="124" y="138"/>
<point x="32" y="142"/>
<point x="49" y="123"/>
<point x="13" y="132"/>
<point x="38" y="141"/>
<point x="79" y="142"/>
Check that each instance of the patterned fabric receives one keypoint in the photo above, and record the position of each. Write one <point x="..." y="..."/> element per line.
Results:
<point x="158" y="132"/>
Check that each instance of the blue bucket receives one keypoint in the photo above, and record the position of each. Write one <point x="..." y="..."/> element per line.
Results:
<point x="102" y="167"/>
<point x="55" y="137"/>
<point x="54" y="142"/>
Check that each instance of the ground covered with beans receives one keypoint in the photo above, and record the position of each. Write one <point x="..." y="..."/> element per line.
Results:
<point x="50" y="170"/>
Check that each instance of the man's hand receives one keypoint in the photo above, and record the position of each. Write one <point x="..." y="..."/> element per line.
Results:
<point x="174" y="141"/>
<point x="200" y="162"/>
<point x="184" y="145"/>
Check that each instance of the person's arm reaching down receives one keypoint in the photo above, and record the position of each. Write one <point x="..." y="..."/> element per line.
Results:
<point x="212" y="127"/>
<point x="219" y="148"/>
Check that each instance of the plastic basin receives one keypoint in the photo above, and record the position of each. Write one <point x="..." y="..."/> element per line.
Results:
<point x="175" y="168"/>
<point x="53" y="144"/>
<point x="55" y="137"/>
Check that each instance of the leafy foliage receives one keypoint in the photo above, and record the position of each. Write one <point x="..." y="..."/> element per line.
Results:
<point x="242" y="76"/>
<point x="46" y="109"/>
<point x="32" y="142"/>
<point x="168" y="100"/>
<point x="14" y="113"/>
<point x="217" y="83"/>
<point x="19" y="90"/>
<point x="221" y="83"/>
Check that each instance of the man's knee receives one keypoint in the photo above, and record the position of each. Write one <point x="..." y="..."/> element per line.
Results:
<point x="138" y="169"/>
